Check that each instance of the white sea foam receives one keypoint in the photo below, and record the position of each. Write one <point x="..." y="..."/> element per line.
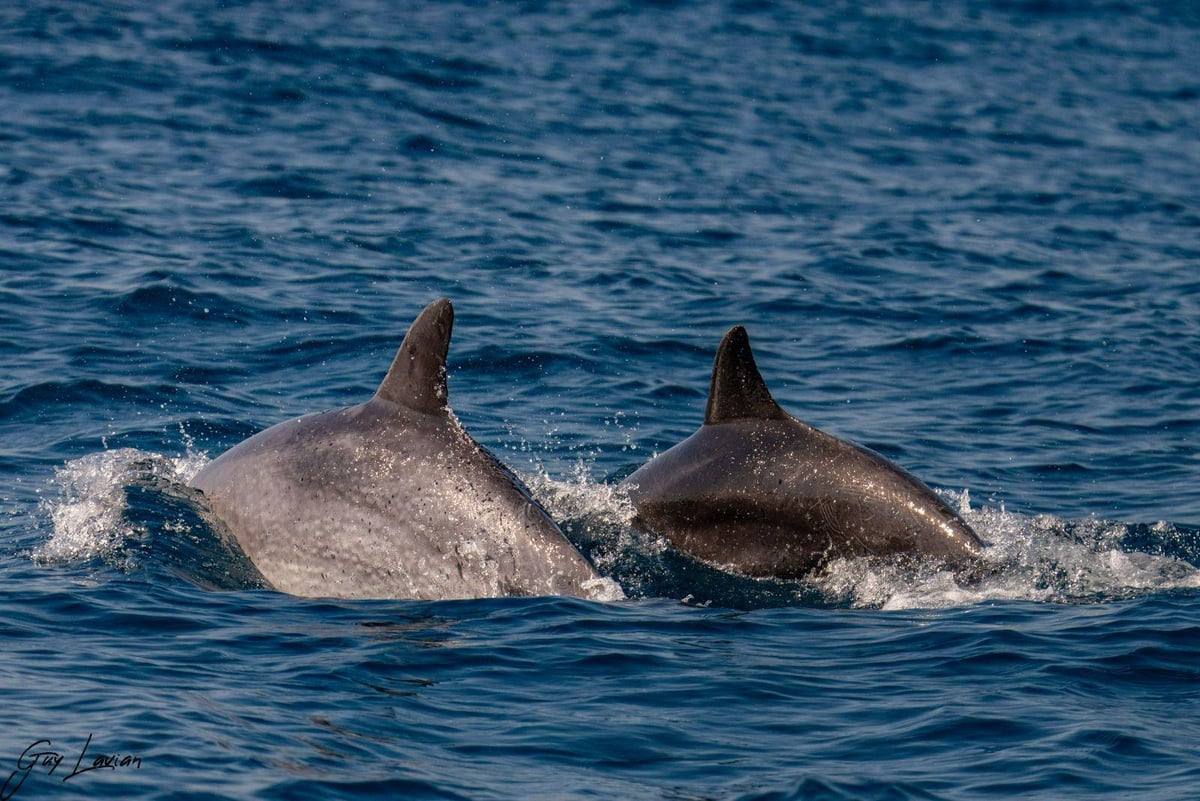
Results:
<point x="87" y="516"/>
<point x="603" y="590"/>
<point x="581" y="496"/>
<point x="1032" y="558"/>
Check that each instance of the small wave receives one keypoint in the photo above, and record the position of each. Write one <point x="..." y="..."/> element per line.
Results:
<point x="88" y="516"/>
<point x="163" y="300"/>
<point x="285" y="186"/>
<point x="1030" y="558"/>
<point x="89" y="393"/>
<point x="132" y="511"/>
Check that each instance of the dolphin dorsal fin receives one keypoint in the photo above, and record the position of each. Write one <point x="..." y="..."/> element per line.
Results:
<point x="738" y="391"/>
<point x="417" y="377"/>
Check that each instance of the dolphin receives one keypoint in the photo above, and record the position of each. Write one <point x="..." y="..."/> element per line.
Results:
<point x="760" y="493"/>
<point x="392" y="498"/>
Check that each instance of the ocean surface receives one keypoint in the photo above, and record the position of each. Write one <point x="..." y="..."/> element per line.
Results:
<point x="963" y="234"/>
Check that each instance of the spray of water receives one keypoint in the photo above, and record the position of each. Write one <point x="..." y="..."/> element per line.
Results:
<point x="87" y="514"/>
<point x="1029" y="557"/>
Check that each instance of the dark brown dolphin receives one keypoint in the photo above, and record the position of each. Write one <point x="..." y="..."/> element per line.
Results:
<point x="761" y="493"/>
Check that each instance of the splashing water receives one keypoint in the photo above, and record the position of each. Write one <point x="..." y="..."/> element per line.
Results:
<point x="88" y="517"/>
<point x="1032" y="558"/>
<point x="132" y="511"/>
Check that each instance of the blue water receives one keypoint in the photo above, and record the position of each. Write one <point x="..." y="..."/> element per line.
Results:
<point x="964" y="234"/>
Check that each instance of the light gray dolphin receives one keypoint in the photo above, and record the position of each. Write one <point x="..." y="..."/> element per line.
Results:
<point x="759" y="492"/>
<point x="392" y="498"/>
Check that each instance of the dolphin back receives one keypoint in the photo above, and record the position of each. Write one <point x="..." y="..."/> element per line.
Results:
<point x="391" y="498"/>
<point x="764" y="494"/>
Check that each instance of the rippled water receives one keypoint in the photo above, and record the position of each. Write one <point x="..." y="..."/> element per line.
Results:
<point x="962" y="234"/>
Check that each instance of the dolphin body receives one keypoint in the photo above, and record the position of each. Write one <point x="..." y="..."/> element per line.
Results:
<point x="758" y="492"/>
<point x="392" y="498"/>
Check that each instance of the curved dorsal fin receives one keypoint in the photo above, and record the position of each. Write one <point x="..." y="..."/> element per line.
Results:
<point x="738" y="391"/>
<point x="417" y="377"/>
